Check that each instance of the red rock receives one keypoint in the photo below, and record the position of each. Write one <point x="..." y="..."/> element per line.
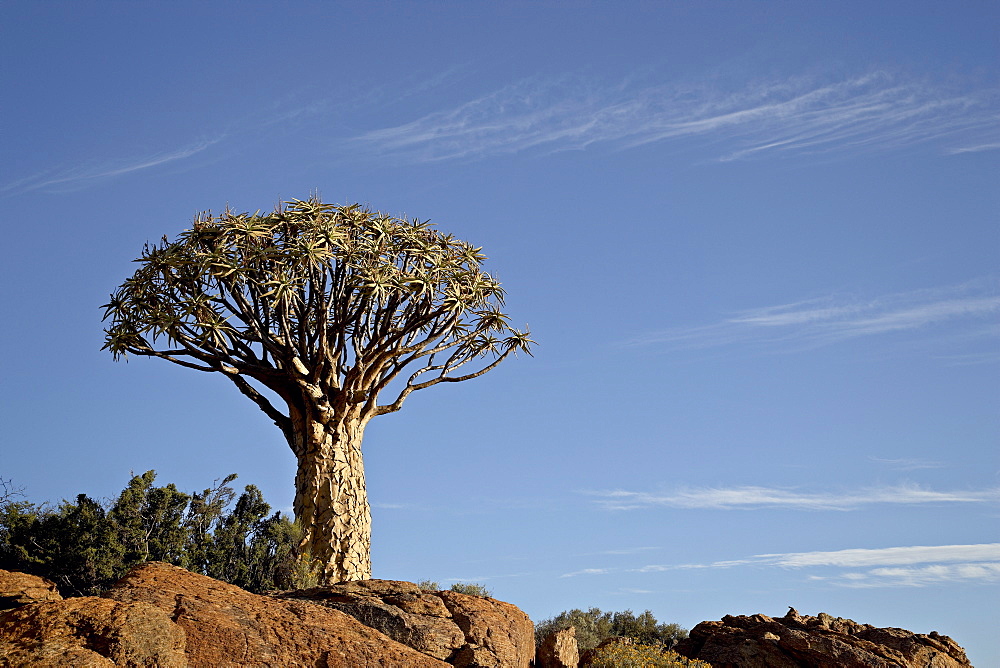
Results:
<point x="165" y="617"/>
<point x="228" y="627"/>
<point x="398" y="609"/>
<point x="501" y="628"/>
<point x="20" y="588"/>
<point x="758" y="641"/>
<point x="90" y="632"/>
<point x="558" y="650"/>
<point x="464" y="630"/>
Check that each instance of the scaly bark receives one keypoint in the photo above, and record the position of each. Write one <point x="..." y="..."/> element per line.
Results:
<point x="331" y="502"/>
<point x="328" y="307"/>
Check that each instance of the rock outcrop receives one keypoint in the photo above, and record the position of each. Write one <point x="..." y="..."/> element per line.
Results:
<point x="559" y="650"/>
<point x="226" y="626"/>
<point x="20" y="589"/>
<point x="465" y="631"/>
<point x="797" y="641"/>
<point x="164" y="616"/>
<point x="92" y="632"/>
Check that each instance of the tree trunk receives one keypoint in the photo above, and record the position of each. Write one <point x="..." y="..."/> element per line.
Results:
<point x="331" y="503"/>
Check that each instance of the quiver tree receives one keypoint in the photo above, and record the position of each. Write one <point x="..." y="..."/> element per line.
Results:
<point x="338" y="311"/>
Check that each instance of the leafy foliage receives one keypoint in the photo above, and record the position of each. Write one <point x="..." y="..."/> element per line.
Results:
<point x="314" y="300"/>
<point x="638" y="655"/>
<point x="595" y="626"/>
<point x="323" y="310"/>
<point x="85" y="546"/>
<point x="471" y="588"/>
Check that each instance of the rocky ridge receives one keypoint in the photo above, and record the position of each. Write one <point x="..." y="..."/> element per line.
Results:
<point x="823" y="641"/>
<point x="18" y="589"/>
<point x="164" y="616"/>
<point x="458" y="628"/>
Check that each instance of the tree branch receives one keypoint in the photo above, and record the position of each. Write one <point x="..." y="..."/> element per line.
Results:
<point x="283" y="422"/>
<point x="406" y="391"/>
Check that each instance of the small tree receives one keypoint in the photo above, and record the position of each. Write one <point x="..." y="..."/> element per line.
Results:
<point x="594" y="626"/>
<point x="327" y="307"/>
<point x="86" y="546"/>
<point x="470" y="588"/>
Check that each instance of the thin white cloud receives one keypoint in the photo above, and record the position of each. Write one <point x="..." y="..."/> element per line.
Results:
<point x="476" y="579"/>
<point x="909" y="464"/>
<point x="586" y="571"/>
<point x="976" y="149"/>
<point x="889" y="556"/>
<point x="909" y="566"/>
<point x="874" y="111"/>
<point x="982" y="573"/>
<point x="753" y="497"/>
<point x="89" y="173"/>
<point x="973" y="306"/>
<point x="659" y="568"/>
<point x="623" y="551"/>
<point x="286" y="111"/>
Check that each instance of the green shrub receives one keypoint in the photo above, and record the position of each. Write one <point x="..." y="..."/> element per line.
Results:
<point x="595" y="626"/>
<point x="85" y="546"/>
<point x="639" y="655"/>
<point x="471" y="588"/>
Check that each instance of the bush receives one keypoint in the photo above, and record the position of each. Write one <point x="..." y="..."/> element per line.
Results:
<point x="85" y="546"/>
<point x="640" y="655"/>
<point x="595" y="626"/>
<point x="471" y="588"/>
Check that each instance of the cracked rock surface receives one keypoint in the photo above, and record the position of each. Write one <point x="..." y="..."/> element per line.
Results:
<point x="823" y="641"/>
<point x="465" y="631"/>
<point x="18" y="589"/>
<point x="163" y="616"/>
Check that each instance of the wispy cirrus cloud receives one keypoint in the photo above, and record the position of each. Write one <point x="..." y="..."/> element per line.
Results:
<point x="586" y="571"/>
<point x="285" y="112"/>
<point x="978" y="148"/>
<point x="888" y="556"/>
<point x="83" y="174"/>
<point x="471" y="579"/>
<point x="394" y="506"/>
<point x="623" y="551"/>
<point x="921" y="576"/>
<point x="973" y="306"/>
<point x="872" y="111"/>
<point x="910" y="566"/>
<point x="905" y="464"/>
<point x="753" y="498"/>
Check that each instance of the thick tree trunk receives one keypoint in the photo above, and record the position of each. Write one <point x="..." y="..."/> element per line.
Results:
<point x="331" y="503"/>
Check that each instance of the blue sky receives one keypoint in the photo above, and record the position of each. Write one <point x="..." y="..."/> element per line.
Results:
<point x="757" y="244"/>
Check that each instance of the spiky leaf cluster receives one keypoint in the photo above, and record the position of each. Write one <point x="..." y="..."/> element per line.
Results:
<point x="315" y="301"/>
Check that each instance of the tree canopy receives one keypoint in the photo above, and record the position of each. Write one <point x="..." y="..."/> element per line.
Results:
<point x="335" y="300"/>
<point x="329" y="308"/>
<point x="594" y="626"/>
